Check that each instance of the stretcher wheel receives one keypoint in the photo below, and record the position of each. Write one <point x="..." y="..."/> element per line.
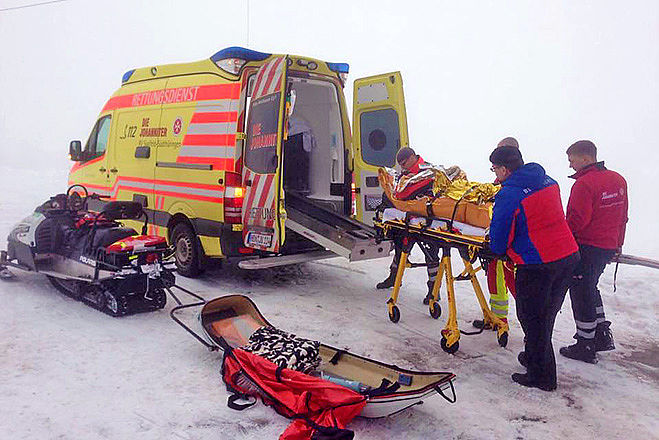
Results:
<point x="452" y="349"/>
<point x="503" y="339"/>
<point x="435" y="310"/>
<point x="394" y="314"/>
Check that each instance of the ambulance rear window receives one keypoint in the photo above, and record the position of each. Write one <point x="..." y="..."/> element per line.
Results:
<point x="261" y="146"/>
<point x="380" y="137"/>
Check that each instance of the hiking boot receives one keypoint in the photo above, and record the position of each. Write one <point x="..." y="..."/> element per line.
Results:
<point x="583" y="350"/>
<point x="524" y="380"/>
<point x="481" y="324"/>
<point x="603" y="337"/>
<point x="426" y="300"/>
<point x="523" y="359"/>
<point x="388" y="282"/>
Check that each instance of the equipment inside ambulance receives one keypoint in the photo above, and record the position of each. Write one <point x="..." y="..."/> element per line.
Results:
<point x="250" y="155"/>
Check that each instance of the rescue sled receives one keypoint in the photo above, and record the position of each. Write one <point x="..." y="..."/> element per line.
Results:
<point x="228" y="322"/>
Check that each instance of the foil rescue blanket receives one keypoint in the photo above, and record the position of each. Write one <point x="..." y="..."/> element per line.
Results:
<point x="458" y="199"/>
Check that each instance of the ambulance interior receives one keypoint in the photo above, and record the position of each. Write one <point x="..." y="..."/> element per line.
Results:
<point x="314" y="150"/>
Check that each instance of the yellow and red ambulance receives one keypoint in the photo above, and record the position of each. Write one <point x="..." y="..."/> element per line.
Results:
<point x="212" y="148"/>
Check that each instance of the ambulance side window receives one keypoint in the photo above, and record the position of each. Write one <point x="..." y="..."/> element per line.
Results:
<point x="380" y="137"/>
<point x="98" y="139"/>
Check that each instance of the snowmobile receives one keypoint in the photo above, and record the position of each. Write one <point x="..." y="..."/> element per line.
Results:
<point x="90" y="256"/>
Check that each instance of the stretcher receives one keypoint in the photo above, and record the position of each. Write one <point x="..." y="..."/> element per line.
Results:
<point x="472" y="245"/>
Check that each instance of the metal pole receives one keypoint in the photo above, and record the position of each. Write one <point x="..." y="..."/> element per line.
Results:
<point x="247" y="24"/>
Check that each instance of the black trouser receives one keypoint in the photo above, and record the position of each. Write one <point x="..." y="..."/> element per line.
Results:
<point x="430" y="252"/>
<point x="586" y="300"/>
<point x="541" y="289"/>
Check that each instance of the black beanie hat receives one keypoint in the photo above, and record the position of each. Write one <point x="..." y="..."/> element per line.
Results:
<point x="404" y="154"/>
<point x="507" y="156"/>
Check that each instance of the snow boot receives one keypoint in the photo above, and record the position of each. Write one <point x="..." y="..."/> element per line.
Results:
<point x="388" y="282"/>
<point x="603" y="337"/>
<point x="524" y="380"/>
<point x="583" y="350"/>
<point x="426" y="300"/>
<point x="481" y="324"/>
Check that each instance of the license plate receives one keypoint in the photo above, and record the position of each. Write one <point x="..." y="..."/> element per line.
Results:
<point x="258" y="239"/>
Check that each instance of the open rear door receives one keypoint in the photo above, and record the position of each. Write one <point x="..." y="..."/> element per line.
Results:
<point x="379" y="131"/>
<point x="263" y="206"/>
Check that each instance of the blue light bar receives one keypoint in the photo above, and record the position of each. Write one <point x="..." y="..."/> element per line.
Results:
<point x="127" y="76"/>
<point x="239" y="52"/>
<point x="339" y="67"/>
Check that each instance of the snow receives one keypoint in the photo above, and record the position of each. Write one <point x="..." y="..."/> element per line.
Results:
<point x="70" y="372"/>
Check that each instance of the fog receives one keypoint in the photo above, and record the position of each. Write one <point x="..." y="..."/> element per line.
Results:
<point x="547" y="73"/>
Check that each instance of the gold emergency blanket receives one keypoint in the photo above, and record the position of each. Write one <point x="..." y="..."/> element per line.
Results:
<point x="457" y="198"/>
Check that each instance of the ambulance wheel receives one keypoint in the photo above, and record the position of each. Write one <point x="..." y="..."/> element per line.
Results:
<point x="394" y="314"/>
<point x="186" y="251"/>
<point x="452" y="349"/>
<point x="503" y="339"/>
<point x="435" y="310"/>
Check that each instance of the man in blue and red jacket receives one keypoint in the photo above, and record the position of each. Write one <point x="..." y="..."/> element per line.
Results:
<point x="597" y="215"/>
<point x="528" y="224"/>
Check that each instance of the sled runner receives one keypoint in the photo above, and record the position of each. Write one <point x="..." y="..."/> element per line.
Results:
<point x="447" y="234"/>
<point x="228" y="322"/>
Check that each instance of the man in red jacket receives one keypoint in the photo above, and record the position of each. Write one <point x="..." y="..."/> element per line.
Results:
<point x="597" y="216"/>
<point x="411" y="163"/>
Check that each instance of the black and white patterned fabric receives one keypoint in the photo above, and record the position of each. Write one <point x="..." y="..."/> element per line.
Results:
<point x="285" y="349"/>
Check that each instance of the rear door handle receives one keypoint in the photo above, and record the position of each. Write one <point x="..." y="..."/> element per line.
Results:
<point x="248" y="182"/>
<point x="113" y="170"/>
<point x="102" y="170"/>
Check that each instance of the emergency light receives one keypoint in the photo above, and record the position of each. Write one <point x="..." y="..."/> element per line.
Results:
<point x="342" y="69"/>
<point x="232" y="59"/>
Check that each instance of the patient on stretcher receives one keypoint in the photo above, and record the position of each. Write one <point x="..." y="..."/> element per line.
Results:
<point x="454" y="198"/>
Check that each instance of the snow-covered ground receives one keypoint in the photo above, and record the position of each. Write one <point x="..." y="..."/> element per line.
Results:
<point x="70" y="372"/>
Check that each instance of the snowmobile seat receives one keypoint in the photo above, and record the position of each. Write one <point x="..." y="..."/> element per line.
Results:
<point x="122" y="210"/>
<point x="106" y="236"/>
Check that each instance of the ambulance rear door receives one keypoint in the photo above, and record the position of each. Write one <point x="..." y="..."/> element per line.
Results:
<point x="263" y="213"/>
<point x="379" y="131"/>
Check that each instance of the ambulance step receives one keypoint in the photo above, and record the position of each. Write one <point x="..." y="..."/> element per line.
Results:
<point x="284" y="260"/>
<point x="338" y="233"/>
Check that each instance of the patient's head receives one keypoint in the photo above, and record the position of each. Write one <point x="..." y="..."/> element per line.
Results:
<point x="406" y="158"/>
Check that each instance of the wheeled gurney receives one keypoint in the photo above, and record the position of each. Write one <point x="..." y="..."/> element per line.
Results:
<point x="472" y="245"/>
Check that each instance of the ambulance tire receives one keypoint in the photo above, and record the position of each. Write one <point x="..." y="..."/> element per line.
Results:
<point x="187" y="253"/>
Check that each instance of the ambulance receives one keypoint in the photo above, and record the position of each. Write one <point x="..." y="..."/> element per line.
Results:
<point x="250" y="155"/>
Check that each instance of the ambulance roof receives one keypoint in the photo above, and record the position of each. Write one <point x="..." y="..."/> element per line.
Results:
<point x="211" y="65"/>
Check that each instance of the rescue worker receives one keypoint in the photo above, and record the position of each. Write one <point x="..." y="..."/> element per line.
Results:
<point x="597" y="215"/>
<point x="529" y="225"/>
<point x="411" y="163"/>
<point x="500" y="273"/>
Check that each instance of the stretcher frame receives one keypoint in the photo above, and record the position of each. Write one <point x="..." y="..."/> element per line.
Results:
<point x="470" y="248"/>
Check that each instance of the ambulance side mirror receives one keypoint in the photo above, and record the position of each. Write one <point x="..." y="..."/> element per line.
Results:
<point x="75" y="149"/>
